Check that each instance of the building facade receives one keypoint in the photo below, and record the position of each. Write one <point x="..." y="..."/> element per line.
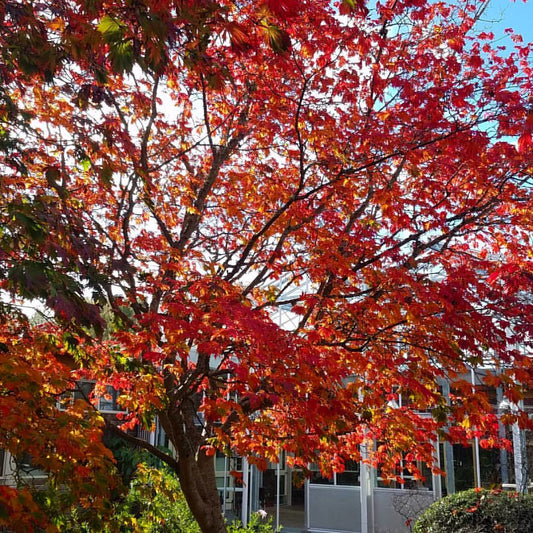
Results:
<point x="360" y="501"/>
<point x="357" y="500"/>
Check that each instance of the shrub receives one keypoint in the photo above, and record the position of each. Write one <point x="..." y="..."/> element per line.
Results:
<point x="155" y="504"/>
<point x="478" y="511"/>
<point x="259" y="523"/>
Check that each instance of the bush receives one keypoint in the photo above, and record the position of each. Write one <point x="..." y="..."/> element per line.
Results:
<point x="155" y="504"/>
<point x="478" y="511"/>
<point x="259" y="523"/>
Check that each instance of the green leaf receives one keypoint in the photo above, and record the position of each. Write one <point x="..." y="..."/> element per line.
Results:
<point x="121" y="56"/>
<point x="111" y="29"/>
<point x="100" y="75"/>
<point x="350" y="4"/>
<point x="106" y="174"/>
<point x="278" y="39"/>
<point x="85" y="164"/>
<point x="30" y="278"/>
<point x="31" y="226"/>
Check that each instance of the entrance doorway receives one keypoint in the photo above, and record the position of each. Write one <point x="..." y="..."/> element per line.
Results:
<point x="283" y="494"/>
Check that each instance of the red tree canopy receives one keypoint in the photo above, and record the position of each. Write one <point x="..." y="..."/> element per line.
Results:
<point x="179" y="178"/>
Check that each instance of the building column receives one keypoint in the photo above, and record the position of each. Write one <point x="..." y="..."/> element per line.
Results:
<point x="504" y="461"/>
<point x="448" y="449"/>
<point x="477" y="463"/>
<point x="437" y="479"/>
<point x="225" y="486"/>
<point x="277" y="490"/>
<point x="245" y="491"/>
<point x="519" y="448"/>
<point x="367" y="493"/>
<point x="520" y="459"/>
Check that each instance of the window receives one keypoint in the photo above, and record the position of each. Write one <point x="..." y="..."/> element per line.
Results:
<point x="409" y="482"/>
<point x="84" y="391"/>
<point x="318" y="478"/>
<point x="489" y="392"/>
<point x="282" y="465"/>
<point x="233" y="464"/>
<point x="108" y="402"/>
<point x="27" y="468"/>
<point x="350" y="476"/>
<point x="220" y="461"/>
<point x="418" y="484"/>
<point x="463" y="465"/>
<point x="492" y="466"/>
<point x="228" y="476"/>
<point x="81" y="391"/>
<point x="416" y="400"/>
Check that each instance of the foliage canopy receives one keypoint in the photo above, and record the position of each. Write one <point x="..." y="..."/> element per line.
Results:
<point x="178" y="176"/>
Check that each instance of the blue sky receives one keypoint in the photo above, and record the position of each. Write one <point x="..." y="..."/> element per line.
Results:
<point x="508" y="14"/>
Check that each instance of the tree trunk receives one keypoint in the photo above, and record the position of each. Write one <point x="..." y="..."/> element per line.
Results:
<point x="198" y="483"/>
<point x="195" y="470"/>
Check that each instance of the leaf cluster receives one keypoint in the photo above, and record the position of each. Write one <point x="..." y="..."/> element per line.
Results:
<point x="478" y="511"/>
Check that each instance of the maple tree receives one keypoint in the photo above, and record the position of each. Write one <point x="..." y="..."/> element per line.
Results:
<point x="177" y="175"/>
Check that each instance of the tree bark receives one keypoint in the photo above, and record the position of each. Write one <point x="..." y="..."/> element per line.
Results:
<point x="198" y="483"/>
<point x="195" y="470"/>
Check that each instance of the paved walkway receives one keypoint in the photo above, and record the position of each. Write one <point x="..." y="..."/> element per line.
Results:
<point x="292" y="519"/>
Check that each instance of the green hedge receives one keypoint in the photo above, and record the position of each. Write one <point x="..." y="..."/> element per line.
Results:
<point x="478" y="511"/>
